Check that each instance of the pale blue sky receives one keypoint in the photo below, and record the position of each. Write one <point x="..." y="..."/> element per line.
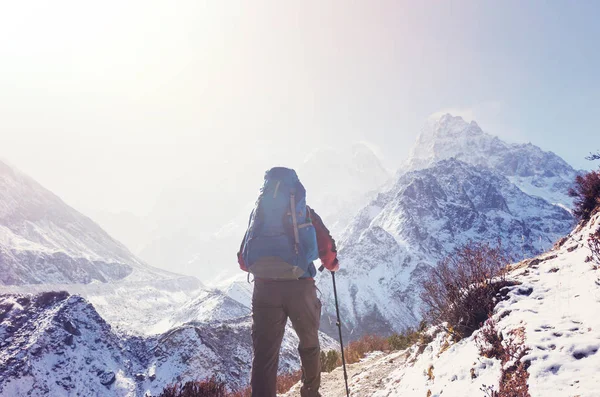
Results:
<point x="107" y="103"/>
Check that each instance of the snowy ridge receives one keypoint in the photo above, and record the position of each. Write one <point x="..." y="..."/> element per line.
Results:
<point x="53" y="344"/>
<point x="138" y="308"/>
<point x="424" y="216"/>
<point x="43" y="240"/>
<point x="556" y="303"/>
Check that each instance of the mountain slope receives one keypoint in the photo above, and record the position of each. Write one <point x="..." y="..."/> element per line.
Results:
<point x="534" y="171"/>
<point x="556" y="305"/>
<point x="421" y="218"/>
<point x="54" y="344"/>
<point x="43" y="240"/>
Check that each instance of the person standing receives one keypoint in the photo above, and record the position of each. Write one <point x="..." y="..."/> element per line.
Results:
<point x="283" y="238"/>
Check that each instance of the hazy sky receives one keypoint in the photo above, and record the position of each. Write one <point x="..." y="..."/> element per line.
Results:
<point x="106" y="103"/>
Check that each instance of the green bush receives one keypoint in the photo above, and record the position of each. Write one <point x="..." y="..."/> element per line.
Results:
<point x="330" y="360"/>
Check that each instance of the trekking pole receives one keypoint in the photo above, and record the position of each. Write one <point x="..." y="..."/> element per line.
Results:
<point x="339" y="325"/>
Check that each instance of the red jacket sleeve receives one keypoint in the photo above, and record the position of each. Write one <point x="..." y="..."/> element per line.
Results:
<point x="326" y="243"/>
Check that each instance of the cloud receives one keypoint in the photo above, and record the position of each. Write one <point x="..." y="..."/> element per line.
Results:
<point x="487" y="112"/>
<point x="466" y="113"/>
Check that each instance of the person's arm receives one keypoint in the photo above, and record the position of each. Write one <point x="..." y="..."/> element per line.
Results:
<point x="326" y="243"/>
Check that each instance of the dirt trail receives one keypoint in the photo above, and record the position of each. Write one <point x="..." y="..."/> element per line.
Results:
<point x="364" y="378"/>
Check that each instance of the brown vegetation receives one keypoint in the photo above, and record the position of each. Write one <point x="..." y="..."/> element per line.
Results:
<point x="286" y="381"/>
<point x="587" y="195"/>
<point x="463" y="289"/>
<point x="510" y="351"/>
<point x="207" y="388"/>
<point x="594" y="245"/>
<point x="215" y="388"/>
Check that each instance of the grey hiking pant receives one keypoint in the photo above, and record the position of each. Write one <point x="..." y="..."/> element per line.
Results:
<point x="272" y="303"/>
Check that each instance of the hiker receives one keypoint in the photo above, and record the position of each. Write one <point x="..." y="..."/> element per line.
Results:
<point x="283" y="239"/>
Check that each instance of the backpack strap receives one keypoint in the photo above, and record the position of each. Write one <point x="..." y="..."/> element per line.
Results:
<point x="294" y="221"/>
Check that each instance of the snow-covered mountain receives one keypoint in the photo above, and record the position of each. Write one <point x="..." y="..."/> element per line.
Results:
<point x="555" y="306"/>
<point x="533" y="170"/>
<point x="420" y="219"/>
<point x="138" y="308"/>
<point x="459" y="184"/>
<point x="56" y="346"/>
<point x="43" y="240"/>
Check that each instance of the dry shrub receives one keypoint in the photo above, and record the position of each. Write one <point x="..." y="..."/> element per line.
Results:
<point x="593" y="156"/>
<point x="286" y="381"/>
<point x="464" y="287"/>
<point x="246" y="392"/>
<point x="510" y="351"/>
<point x="513" y="382"/>
<point x="215" y="388"/>
<point x="358" y="349"/>
<point x="206" y="388"/>
<point x="587" y="194"/>
<point x="594" y="245"/>
<point x="490" y="341"/>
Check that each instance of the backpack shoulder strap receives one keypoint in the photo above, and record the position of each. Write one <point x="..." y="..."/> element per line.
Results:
<point x="294" y="220"/>
<point x="326" y="243"/>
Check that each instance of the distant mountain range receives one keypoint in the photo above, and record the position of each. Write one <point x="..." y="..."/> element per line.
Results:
<point x="54" y="344"/>
<point x="43" y="240"/>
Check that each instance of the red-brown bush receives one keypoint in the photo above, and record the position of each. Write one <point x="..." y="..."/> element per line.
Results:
<point x="510" y="351"/>
<point x="207" y="388"/>
<point x="286" y="381"/>
<point x="489" y="341"/>
<point x="587" y="195"/>
<point x="463" y="289"/>
<point x="215" y="388"/>
<point x="358" y="349"/>
<point x="594" y="245"/>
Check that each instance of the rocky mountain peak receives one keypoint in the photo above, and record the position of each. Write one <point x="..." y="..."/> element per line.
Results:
<point x="535" y="171"/>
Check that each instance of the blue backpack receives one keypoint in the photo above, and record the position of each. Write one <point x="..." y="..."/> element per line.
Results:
<point x="280" y="242"/>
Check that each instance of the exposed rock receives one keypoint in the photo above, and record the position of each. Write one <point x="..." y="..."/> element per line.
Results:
<point x="107" y="378"/>
<point x="71" y="328"/>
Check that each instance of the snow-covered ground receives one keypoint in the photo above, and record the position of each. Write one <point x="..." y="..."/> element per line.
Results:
<point x="558" y="306"/>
